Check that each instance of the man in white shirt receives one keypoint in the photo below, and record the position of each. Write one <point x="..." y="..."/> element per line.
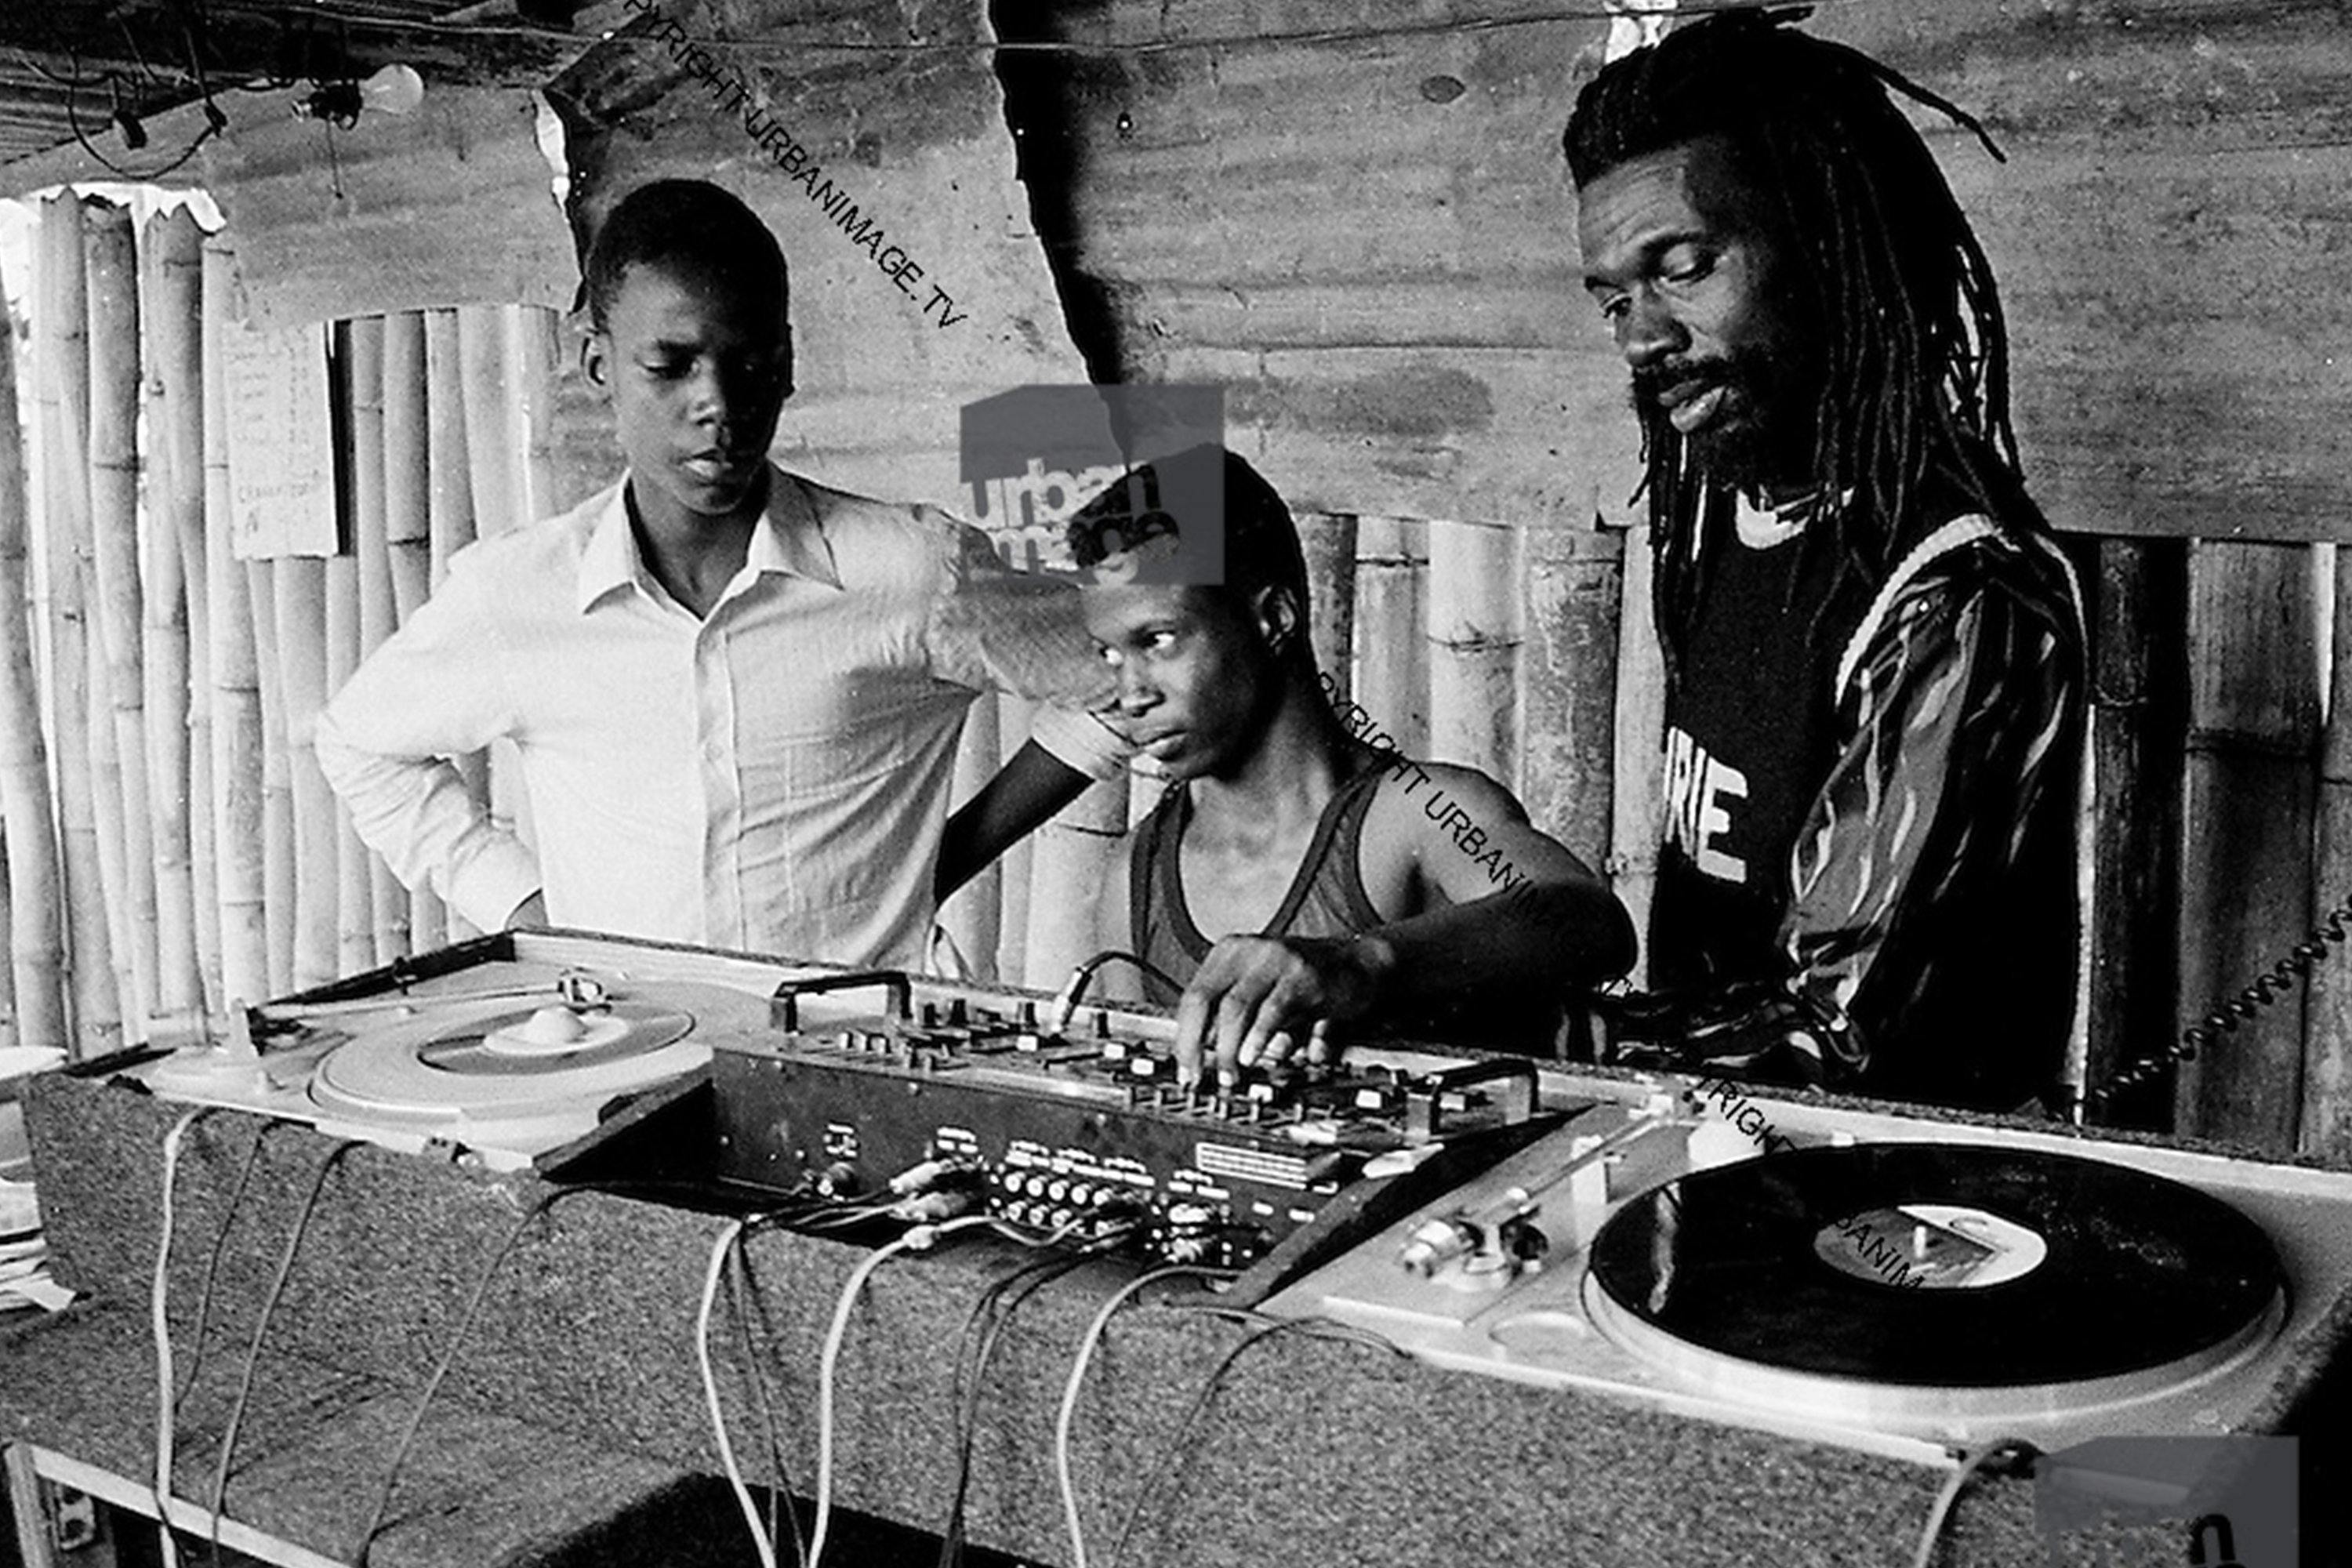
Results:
<point x="736" y="693"/>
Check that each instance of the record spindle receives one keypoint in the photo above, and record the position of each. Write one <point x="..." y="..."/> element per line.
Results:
<point x="33" y="884"/>
<point x="239" y="738"/>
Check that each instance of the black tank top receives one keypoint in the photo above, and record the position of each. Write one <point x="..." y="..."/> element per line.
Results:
<point x="1325" y="898"/>
<point x="1326" y="895"/>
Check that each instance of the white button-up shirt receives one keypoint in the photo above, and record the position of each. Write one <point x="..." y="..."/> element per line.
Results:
<point x="775" y="777"/>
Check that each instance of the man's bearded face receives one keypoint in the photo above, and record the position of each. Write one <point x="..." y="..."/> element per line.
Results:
<point x="1685" y="264"/>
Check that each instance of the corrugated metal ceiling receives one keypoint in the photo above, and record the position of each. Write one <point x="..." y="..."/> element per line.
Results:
<point x="66" y="65"/>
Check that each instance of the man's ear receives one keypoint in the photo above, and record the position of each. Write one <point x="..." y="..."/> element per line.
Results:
<point x="1276" y="613"/>
<point x="597" y="360"/>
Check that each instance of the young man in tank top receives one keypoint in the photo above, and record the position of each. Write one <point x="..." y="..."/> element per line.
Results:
<point x="1299" y="885"/>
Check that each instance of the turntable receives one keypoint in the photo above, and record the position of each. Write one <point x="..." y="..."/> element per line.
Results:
<point x="1893" y="1284"/>
<point x="511" y="1045"/>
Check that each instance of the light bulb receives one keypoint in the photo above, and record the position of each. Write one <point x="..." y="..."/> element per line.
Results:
<point x="394" y="90"/>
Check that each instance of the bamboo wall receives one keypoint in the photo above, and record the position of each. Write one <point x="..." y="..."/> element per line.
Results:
<point x="191" y="853"/>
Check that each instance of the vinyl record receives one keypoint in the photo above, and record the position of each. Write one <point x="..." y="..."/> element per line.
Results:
<point x="1935" y="1266"/>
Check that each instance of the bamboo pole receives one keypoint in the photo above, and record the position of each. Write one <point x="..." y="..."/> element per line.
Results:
<point x="347" y="576"/>
<point x="407" y="456"/>
<point x="283" y="843"/>
<point x="2138" y="676"/>
<point x="1391" y="673"/>
<point x="1637" y="799"/>
<point x="173" y="697"/>
<point x="238" y="732"/>
<point x="383" y="902"/>
<point x="301" y="592"/>
<point x="34" y="886"/>
<point x="2253" y="718"/>
<point x="408" y="543"/>
<point x="501" y="498"/>
<point x="106" y="796"/>
<point x="10" y="1023"/>
<point x="113" y="303"/>
<point x="1568" y="684"/>
<point x="65" y="376"/>
<point x="2326" y="1127"/>
<point x="1329" y="545"/>
<point x="451" y="499"/>
<point x="1474" y="646"/>
<point x="448" y="467"/>
<point x="532" y="333"/>
<point x="178" y="244"/>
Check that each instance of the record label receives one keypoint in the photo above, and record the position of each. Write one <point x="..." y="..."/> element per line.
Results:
<point x="1933" y="1247"/>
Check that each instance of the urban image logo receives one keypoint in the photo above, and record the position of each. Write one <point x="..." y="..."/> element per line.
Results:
<point x="2217" y="1499"/>
<point x="727" y="86"/>
<point x="1035" y="455"/>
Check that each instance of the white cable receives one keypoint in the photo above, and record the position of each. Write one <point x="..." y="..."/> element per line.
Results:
<point x="726" y="1244"/>
<point x="165" y="1426"/>
<point x="1063" y="1417"/>
<point x="1940" y="1514"/>
<point x="916" y="1240"/>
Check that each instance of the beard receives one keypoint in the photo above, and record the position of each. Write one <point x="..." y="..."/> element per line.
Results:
<point x="1751" y="441"/>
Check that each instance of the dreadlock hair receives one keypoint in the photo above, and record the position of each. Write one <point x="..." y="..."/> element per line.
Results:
<point x="1915" y="369"/>
<point x="1162" y="498"/>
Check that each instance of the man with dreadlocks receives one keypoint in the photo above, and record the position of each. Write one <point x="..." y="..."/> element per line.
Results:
<point x="1874" y="648"/>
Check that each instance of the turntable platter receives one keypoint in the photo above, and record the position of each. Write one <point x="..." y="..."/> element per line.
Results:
<point x="1957" y="1276"/>
<point x="518" y="1074"/>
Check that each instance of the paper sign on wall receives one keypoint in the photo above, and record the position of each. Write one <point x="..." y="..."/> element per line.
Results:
<point x="281" y="452"/>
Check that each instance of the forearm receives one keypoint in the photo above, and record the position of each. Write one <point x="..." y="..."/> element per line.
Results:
<point x="1023" y="797"/>
<point x="1972" y="727"/>
<point x="1538" y="938"/>
<point x="417" y="813"/>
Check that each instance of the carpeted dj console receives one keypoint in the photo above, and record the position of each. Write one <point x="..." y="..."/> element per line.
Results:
<point x="551" y="1224"/>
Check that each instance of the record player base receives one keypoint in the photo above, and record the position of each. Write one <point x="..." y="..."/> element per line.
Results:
<point x="1303" y="1452"/>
